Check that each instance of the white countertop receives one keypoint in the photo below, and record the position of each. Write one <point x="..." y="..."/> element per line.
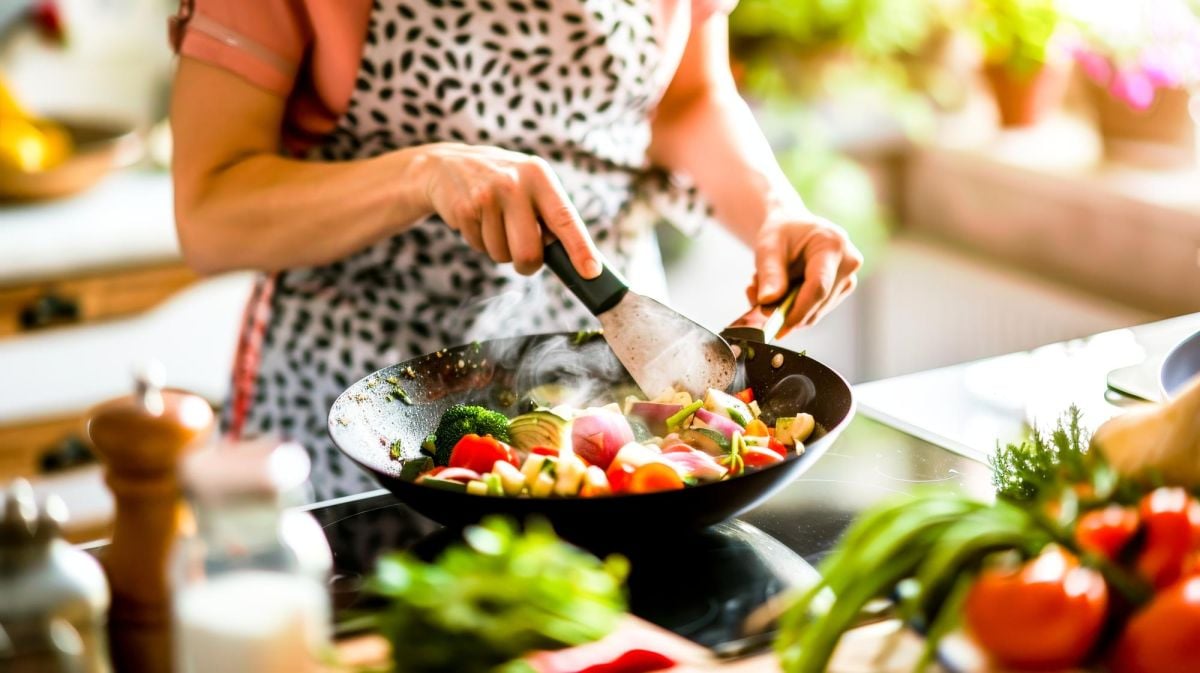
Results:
<point x="125" y="220"/>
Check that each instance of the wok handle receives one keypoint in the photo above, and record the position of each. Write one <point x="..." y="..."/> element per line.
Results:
<point x="762" y="323"/>
<point x="598" y="294"/>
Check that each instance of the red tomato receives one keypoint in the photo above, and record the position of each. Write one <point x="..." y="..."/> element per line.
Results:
<point x="746" y="395"/>
<point x="544" y="451"/>
<point x="778" y="447"/>
<point x="1171" y="518"/>
<point x="481" y="453"/>
<point x="1106" y="531"/>
<point x="1162" y="637"/>
<point x="755" y="456"/>
<point x="618" y="476"/>
<point x="1047" y="615"/>
<point x="653" y="477"/>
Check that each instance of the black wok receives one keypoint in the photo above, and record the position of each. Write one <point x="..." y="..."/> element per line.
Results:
<point x="371" y="415"/>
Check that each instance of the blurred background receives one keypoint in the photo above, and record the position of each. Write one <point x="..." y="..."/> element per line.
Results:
<point x="1018" y="172"/>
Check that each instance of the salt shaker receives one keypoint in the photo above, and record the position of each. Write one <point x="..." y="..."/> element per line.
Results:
<point x="53" y="596"/>
<point x="251" y="582"/>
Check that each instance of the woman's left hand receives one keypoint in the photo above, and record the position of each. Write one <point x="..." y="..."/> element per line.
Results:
<point x="811" y="249"/>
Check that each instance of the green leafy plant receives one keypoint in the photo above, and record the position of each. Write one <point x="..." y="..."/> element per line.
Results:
<point x="500" y="595"/>
<point x="1017" y="35"/>
<point x="871" y="28"/>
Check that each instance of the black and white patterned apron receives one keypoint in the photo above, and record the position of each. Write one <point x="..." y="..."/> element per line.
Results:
<point x="571" y="81"/>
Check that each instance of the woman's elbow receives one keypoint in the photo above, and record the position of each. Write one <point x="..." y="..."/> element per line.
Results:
<point x="197" y="244"/>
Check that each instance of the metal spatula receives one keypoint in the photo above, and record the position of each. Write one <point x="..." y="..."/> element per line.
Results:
<point x="659" y="347"/>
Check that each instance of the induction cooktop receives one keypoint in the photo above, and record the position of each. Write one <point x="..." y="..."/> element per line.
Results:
<point x="714" y="586"/>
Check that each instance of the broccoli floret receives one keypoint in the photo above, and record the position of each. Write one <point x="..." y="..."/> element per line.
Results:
<point x="464" y="419"/>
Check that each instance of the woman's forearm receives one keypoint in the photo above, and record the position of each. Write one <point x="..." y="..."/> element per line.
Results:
<point x="733" y="165"/>
<point x="268" y="212"/>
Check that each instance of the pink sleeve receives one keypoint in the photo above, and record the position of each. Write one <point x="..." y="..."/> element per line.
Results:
<point x="703" y="9"/>
<point x="263" y="41"/>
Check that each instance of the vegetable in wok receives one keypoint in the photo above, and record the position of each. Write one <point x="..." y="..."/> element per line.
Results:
<point x="668" y="443"/>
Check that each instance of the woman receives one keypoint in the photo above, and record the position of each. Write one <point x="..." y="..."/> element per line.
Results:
<point x="389" y="164"/>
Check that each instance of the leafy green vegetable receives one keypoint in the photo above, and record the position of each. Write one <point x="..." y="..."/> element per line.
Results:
<point x="493" y="599"/>
<point x="922" y="551"/>
<point x="465" y="419"/>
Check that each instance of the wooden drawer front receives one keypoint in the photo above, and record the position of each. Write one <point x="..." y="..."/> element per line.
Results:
<point x="22" y="446"/>
<point x="26" y="308"/>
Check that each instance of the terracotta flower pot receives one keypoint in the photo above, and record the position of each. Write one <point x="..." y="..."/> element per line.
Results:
<point x="1162" y="136"/>
<point x="1024" y="99"/>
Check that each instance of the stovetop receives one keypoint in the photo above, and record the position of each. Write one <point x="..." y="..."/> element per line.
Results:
<point x="713" y="586"/>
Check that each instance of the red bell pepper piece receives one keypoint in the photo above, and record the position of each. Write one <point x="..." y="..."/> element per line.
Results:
<point x="633" y="661"/>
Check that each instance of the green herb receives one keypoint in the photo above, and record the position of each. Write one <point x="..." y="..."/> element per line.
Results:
<point x="1043" y="462"/>
<point x="429" y="446"/>
<point x="402" y="394"/>
<point x="396" y="450"/>
<point x="676" y="419"/>
<point x="500" y="595"/>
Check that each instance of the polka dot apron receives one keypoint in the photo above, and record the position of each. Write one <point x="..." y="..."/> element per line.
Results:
<point x="571" y="81"/>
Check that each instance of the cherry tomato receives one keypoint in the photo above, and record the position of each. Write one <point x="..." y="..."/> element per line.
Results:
<point x="1106" y="531"/>
<point x="481" y="453"/>
<point x="755" y="456"/>
<point x="618" y="476"/>
<point x="756" y="428"/>
<point x="1162" y="637"/>
<point x="1172" y="519"/>
<point x="1047" y="615"/>
<point x="654" y="477"/>
<point x="746" y="395"/>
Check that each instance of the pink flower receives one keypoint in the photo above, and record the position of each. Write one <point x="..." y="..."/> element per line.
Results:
<point x="1094" y="66"/>
<point x="1133" y="87"/>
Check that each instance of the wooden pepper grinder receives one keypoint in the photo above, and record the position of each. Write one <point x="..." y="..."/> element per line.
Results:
<point x="141" y="439"/>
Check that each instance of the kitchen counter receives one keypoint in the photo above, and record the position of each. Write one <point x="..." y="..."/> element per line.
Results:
<point x="968" y="407"/>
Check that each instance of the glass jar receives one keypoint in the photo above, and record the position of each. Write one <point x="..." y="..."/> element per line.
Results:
<point x="250" y="574"/>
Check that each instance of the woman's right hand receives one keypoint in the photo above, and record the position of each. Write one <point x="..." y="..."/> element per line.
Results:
<point x="497" y="199"/>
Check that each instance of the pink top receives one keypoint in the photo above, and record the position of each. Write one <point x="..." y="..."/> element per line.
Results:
<point x="308" y="50"/>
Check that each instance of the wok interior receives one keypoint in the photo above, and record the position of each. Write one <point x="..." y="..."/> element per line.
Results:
<point x="371" y="415"/>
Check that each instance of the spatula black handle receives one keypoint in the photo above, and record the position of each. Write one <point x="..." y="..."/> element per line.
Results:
<point x="598" y="294"/>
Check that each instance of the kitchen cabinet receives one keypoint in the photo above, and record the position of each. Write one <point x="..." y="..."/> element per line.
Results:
<point x="90" y="286"/>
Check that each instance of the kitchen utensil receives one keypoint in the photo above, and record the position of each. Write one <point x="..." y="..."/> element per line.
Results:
<point x="1181" y="365"/>
<point x="368" y="417"/>
<point x="659" y="347"/>
<point x="54" y="595"/>
<point x="100" y="146"/>
<point x="140" y="439"/>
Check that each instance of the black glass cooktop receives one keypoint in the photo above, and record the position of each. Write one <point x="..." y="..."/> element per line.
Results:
<point x="713" y="586"/>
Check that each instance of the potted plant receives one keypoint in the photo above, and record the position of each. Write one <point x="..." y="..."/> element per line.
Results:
<point x="1142" y="61"/>
<point x="1024" y="61"/>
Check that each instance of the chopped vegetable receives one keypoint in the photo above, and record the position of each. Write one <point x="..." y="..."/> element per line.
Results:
<point x="598" y="435"/>
<point x="746" y="395"/>
<point x="415" y="468"/>
<point x="713" y="421"/>
<point x="678" y="418"/>
<point x="493" y="599"/>
<point x="480" y="453"/>
<point x="795" y="430"/>
<point x="727" y="405"/>
<point x="633" y="661"/>
<point x="537" y="428"/>
<point x="464" y="419"/>
<point x="653" y="477"/>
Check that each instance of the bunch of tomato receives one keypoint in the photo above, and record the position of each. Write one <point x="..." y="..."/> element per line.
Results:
<point x="1057" y="611"/>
